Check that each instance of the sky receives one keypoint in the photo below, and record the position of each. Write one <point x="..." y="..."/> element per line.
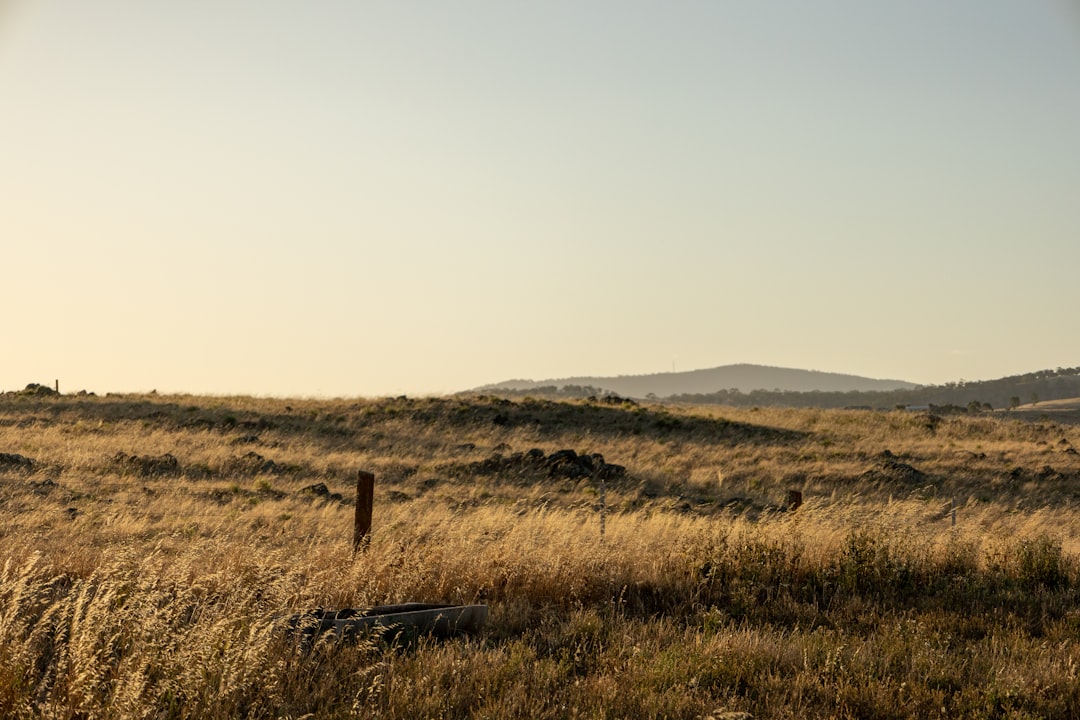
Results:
<point x="351" y="198"/>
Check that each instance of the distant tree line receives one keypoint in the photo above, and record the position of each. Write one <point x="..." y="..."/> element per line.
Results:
<point x="957" y="396"/>
<point x="554" y="391"/>
<point x="960" y="396"/>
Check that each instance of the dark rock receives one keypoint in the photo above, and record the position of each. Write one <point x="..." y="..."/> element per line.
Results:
<point x="889" y="469"/>
<point x="560" y="465"/>
<point x="611" y="471"/>
<point x="221" y="496"/>
<point x="318" y="489"/>
<point x="147" y="465"/>
<point x="15" y="461"/>
<point x="36" y="389"/>
<point x="494" y="463"/>
<point x="43" y="487"/>
<point x="565" y="464"/>
<point x="257" y="425"/>
<point x="251" y="464"/>
<point x="1048" y="473"/>
<point x="560" y="456"/>
<point x="200" y="424"/>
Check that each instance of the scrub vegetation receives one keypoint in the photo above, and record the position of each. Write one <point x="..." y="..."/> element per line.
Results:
<point x="150" y="545"/>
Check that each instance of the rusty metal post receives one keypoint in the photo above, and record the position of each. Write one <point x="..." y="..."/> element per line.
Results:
<point x="365" y="492"/>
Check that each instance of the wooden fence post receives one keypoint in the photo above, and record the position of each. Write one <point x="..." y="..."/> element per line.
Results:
<point x="365" y="492"/>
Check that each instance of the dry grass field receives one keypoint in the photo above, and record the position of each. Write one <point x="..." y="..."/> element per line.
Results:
<point x="149" y="546"/>
<point x="1065" y="410"/>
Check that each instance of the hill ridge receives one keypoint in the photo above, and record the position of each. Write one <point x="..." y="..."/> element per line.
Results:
<point x="744" y="377"/>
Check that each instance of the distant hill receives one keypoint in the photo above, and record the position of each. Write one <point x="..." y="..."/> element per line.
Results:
<point x="1035" y="389"/>
<point x="742" y="378"/>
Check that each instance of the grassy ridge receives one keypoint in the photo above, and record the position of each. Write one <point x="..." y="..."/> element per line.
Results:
<point x="147" y="545"/>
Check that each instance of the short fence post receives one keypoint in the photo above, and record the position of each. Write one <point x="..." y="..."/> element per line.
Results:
<point x="365" y="492"/>
<point x="794" y="499"/>
<point x="952" y="503"/>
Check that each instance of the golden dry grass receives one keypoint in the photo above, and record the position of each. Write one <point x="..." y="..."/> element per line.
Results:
<point x="151" y="588"/>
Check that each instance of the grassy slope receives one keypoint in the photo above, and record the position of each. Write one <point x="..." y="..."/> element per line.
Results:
<point x="146" y="586"/>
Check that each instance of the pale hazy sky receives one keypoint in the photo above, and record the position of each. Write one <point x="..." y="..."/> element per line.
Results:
<point x="359" y="198"/>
